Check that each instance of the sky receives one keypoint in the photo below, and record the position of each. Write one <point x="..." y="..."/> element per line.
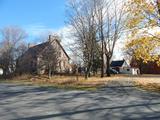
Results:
<point x="34" y="16"/>
<point x="37" y="17"/>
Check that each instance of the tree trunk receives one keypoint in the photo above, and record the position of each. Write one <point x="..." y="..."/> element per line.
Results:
<point x="158" y="6"/>
<point x="53" y="70"/>
<point x="4" y="74"/>
<point x="102" y="56"/>
<point x="86" y="74"/>
<point x="77" y="74"/>
<point x="87" y="71"/>
<point x="140" y="67"/>
<point x="108" y="66"/>
<point x="49" y="73"/>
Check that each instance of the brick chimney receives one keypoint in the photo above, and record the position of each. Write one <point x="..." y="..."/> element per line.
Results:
<point x="50" y="38"/>
<point x="54" y="37"/>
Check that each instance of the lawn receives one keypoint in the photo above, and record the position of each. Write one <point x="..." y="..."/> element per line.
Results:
<point x="67" y="82"/>
<point x="148" y="82"/>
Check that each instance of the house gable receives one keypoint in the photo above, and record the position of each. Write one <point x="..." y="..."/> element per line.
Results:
<point x="59" y="45"/>
<point x="125" y="64"/>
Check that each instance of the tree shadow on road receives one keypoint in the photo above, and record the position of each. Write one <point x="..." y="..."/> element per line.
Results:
<point x="107" y="103"/>
<point x="143" y="116"/>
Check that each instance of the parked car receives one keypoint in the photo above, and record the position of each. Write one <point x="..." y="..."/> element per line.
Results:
<point x="112" y="71"/>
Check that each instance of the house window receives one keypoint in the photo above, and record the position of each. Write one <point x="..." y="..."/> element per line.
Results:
<point x="64" y="64"/>
<point x="59" y="54"/>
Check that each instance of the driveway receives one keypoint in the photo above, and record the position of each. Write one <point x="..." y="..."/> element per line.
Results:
<point x="116" y="101"/>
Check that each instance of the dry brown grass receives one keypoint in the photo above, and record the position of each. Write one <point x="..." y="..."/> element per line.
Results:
<point x="61" y="81"/>
<point x="64" y="81"/>
<point x="149" y="86"/>
<point x="148" y="82"/>
<point x="22" y="77"/>
<point x="71" y="81"/>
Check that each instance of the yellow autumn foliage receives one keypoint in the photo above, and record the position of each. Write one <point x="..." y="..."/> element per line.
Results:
<point x="143" y="17"/>
<point x="144" y="48"/>
<point x="143" y="13"/>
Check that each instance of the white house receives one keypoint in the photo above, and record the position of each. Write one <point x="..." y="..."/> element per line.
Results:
<point x="123" y="68"/>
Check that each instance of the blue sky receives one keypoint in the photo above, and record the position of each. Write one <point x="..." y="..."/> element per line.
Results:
<point x="35" y="16"/>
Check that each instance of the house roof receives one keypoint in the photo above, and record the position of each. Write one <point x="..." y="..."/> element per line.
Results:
<point x="118" y="63"/>
<point x="35" y="50"/>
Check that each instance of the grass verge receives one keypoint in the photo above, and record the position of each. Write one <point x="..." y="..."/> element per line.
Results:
<point x="154" y="87"/>
<point x="62" y="82"/>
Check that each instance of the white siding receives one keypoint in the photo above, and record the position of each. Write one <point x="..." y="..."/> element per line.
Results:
<point x="127" y="70"/>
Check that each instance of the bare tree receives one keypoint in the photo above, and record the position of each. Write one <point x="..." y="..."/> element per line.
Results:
<point x="99" y="21"/>
<point x="12" y="47"/>
<point x="82" y="19"/>
<point x="111" y="16"/>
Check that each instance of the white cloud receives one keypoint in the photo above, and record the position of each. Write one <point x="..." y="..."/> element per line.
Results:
<point x="65" y="35"/>
<point x="38" y="29"/>
<point x="118" y="51"/>
<point x="39" y="33"/>
<point x="67" y="42"/>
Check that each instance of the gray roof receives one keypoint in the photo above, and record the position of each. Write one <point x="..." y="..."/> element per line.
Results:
<point x="35" y="50"/>
<point x="118" y="63"/>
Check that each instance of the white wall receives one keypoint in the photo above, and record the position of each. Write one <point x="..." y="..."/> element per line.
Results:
<point x="124" y="70"/>
<point x="133" y="71"/>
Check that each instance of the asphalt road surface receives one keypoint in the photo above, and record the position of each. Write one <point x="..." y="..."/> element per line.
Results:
<point x="116" y="101"/>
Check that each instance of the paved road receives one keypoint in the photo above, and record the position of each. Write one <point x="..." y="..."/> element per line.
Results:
<point x="115" y="102"/>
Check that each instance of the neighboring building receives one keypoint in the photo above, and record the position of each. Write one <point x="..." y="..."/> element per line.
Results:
<point x="122" y="67"/>
<point x="30" y="60"/>
<point x="146" y="68"/>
